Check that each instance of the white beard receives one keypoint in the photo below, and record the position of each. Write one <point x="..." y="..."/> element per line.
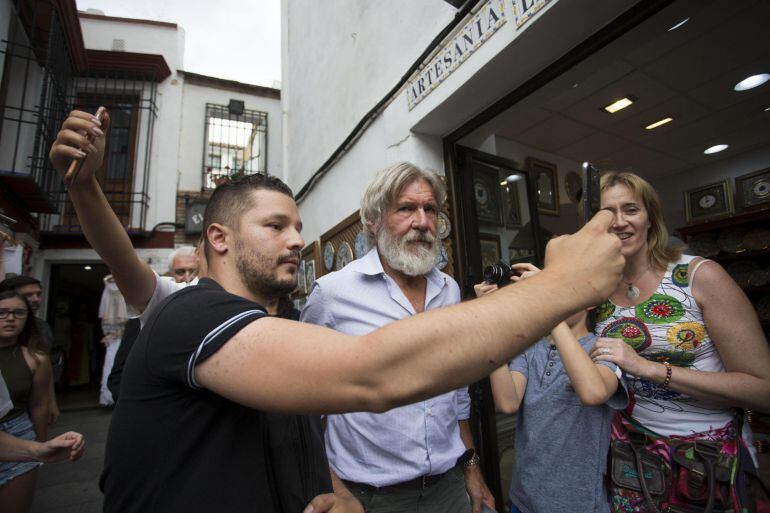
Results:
<point x="416" y="261"/>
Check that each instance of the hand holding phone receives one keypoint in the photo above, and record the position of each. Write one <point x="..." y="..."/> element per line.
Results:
<point x="77" y="164"/>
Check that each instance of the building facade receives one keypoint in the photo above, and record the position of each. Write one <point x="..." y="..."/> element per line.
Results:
<point x="174" y="135"/>
<point x="506" y="99"/>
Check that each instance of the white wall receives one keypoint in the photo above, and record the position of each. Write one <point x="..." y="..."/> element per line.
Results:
<point x="339" y="59"/>
<point x="191" y="142"/>
<point x="167" y="41"/>
<point x="328" y="86"/>
<point x="98" y="34"/>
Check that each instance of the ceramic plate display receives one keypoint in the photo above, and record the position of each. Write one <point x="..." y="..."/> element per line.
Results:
<point x="704" y="244"/>
<point x="757" y="239"/>
<point x="344" y="256"/>
<point x="443" y="226"/>
<point x="731" y="240"/>
<point x="362" y="247"/>
<point x="741" y="271"/>
<point x="443" y="258"/>
<point x="329" y="256"/>
<point x="309" y="275"/>
<point x="301" y="277"/>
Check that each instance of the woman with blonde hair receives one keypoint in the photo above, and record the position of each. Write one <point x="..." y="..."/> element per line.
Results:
<point x="693" y="351"/>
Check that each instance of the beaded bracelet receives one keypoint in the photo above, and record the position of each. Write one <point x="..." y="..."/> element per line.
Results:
<point x="667" y="381"/>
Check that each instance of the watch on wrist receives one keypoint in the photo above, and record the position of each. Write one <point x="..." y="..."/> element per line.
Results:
<point x="470" y="459"/>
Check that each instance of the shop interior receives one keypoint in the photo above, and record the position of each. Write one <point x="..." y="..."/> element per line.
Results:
<point x="683" y="100"/>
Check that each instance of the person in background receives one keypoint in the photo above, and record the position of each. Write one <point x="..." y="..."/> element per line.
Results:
<point x="183" y="264"/>
<point x="31" y="289"/>
<point x="565" y="404"/>
<point x="418" y="457"/>
<point x="184" y="267"/>
<point x="113" y="314"/>
<point x="26" y="371"/>
<point x="683" y="332"/>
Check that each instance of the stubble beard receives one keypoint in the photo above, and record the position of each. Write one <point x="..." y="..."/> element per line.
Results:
<point x="259" y="273"/>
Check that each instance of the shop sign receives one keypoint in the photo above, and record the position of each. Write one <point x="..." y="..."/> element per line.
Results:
<point x="466" y="40"/>
<point x="524" y="10"/>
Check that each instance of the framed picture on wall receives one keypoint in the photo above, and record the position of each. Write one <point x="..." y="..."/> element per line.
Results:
<point x="708" y="202"/>
<point x="753" y="190"/>
<point x="546" y="181"/>
<point x="486" y="186"/>
<point x="490" y="249"/>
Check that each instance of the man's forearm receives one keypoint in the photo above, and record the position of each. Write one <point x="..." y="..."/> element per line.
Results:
<point x="418" y="357"/>
<point x="108" y="237"/>
<point x="485" y="333"/>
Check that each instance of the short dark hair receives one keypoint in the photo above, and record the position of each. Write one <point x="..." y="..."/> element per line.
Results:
<point x="232" y="198"/>
<point x="18" y="281"/>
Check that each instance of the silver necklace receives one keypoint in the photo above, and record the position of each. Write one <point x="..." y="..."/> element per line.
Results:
<point x="632" y="292"/>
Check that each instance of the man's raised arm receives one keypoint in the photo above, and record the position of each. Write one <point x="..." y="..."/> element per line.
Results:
<point x="100" y="225"/>
<point x="418" y="357"/>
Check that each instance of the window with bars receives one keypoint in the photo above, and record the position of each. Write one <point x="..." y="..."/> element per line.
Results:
<point x="235" y="143"/>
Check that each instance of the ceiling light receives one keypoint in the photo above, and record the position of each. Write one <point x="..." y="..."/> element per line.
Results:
<point x="679" y="24"/>
<point x="87" y="267"/>
<point x="715" y="149"/>
<point x="513" y="178"/>
<point x="659" y="123"/>
<point x="752" y="82"/>
<point x="503" y="183"/>
<point x="767" y="109"/>
<point x="613" y="107"/>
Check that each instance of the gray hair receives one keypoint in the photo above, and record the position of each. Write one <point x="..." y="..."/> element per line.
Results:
<point x="384" y="189"/>
<point x="180" y="251"/>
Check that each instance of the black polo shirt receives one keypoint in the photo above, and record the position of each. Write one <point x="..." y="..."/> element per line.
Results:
<point x="172" y="445"/>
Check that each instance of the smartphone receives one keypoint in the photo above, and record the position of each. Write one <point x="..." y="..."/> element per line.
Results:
<point x="76" y="164"/>
<point x="590" y="196"/>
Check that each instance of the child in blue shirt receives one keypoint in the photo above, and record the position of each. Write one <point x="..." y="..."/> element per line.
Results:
<point x="565" y="402"/>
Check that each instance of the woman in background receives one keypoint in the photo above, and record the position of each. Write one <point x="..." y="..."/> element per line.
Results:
<point x="26" y="371"/>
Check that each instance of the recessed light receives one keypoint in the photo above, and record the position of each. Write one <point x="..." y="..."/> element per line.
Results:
<point x="87" y="267"/>
<point x="715" y="149"/>
<point x="621" y="104"/>
<point x="678" y="25"/>
<point x="752" y="82"/>
<point x="659" y="123"/>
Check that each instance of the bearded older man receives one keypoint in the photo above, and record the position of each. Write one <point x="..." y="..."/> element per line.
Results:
<point x="417" y="457"/>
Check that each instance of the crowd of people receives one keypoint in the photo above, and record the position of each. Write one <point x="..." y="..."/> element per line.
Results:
<point x="619" y="345"/>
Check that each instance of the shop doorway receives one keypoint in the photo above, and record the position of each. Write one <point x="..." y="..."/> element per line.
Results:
<point x="75" y="291"/>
